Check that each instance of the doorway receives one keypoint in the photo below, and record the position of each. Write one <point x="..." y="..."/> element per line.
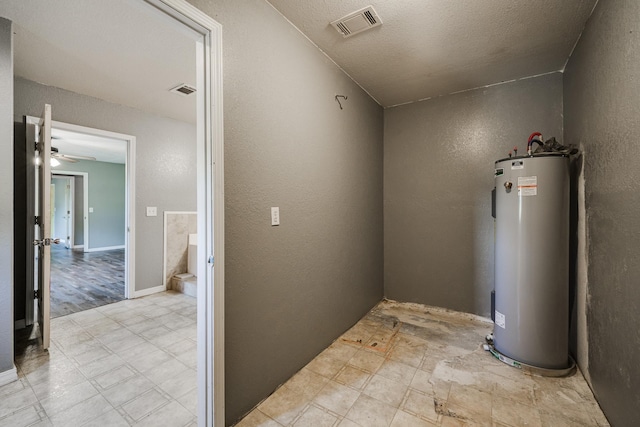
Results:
<point x="89" y="168"/>
<point x="210" y="190"/>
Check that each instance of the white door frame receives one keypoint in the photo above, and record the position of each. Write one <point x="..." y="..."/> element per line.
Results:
<point x="85" y="204"/>
<point x="130" y="200"/>
<point x="210" y="173"/>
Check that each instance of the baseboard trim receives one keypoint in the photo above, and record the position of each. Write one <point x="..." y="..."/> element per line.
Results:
<point x="78" y="246"/>
<point x="19" y="324"/>
<point x="105" y="248"/>
<point x="8" y="376"/>
<point x="150" y="291"/>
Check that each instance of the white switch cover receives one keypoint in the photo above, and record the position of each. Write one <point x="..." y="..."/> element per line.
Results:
<point x="90" y="210"/>
<point x="275" y="216"/>
<point x="152" y="211"/>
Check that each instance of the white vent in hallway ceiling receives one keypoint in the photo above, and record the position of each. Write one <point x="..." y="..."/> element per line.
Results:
<point x="357" y="22"/>
<point x="183" y="89"/>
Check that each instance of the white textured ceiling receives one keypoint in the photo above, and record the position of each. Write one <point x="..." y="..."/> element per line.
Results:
<point x="121" y="51"/>
<point x="426" y="48"/>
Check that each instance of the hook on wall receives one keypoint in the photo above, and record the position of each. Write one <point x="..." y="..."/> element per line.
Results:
<point x="340" y="96"/>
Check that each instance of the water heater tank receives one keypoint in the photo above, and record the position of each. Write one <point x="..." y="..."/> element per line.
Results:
<point x="532" y="260"/>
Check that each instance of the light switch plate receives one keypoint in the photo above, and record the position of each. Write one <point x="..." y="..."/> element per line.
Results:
<point x="90" y="210"/>
<point x="275" y="216"/>
<point x="152" y="211"/>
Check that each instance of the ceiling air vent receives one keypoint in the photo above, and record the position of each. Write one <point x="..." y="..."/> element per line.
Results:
<point x="357" y="22"/>
<point x="183" y="89"/>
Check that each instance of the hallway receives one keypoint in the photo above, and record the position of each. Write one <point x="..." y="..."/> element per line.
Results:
<point x="84" y="280"/>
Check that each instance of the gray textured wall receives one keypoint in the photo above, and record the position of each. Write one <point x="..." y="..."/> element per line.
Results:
<point x="6" y="196"/>
<point x="107" y="192"/>
<point x="602" y="114"/>
<point x="439" y="158"/>
<point x="291" y="290"/>
<point x="165" y="160"/>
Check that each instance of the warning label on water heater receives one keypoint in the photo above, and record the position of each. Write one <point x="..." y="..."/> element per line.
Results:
<point x="527" y="185"/>
<point x="500" y="320"/>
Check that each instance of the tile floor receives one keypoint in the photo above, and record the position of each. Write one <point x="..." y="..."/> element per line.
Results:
<point x="406" y="365"/>
<point x="128" y="363"/>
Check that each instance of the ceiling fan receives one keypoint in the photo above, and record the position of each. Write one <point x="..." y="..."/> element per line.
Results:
<point x="56" y="156"/>
<point x="68" y="157"/>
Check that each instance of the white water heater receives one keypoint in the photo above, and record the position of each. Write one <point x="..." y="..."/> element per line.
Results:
<point x="532" y="260"/>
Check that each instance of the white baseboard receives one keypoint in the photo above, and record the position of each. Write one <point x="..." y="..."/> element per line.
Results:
<point x="78" y="246"/>
<point x="9" y="376"/>
<point x="105" y="248"/>
<point x="149" y="291"/>
<point x="19" y="324"/>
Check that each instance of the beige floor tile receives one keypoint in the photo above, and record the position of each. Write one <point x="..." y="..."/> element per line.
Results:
<point x="315" y="417"/>
<point x="109" y="363"/>
<point x="15" y="401"/>
<point x="83" y="412"/>
<point x="337" y="397"/>
<point x="109" y="419"/>
<point x="93" y="354"/>
<point x="137" y="352"/>
<point x="65" y="398"/>
<point x="22" y="418"/>
<point x="403" y="419"/>
<point x="421" y="382"/>
<point x="284" y="405"/>
<point x="172" y="414"/>
<point x="470" y="404"/>
<point x="158" y="331"/>
<point x="353" y="377"/>
<point x="307" y="383"/>
<point x="420" y="405"/>
<point x="370" y="412"/>
<point x="514" y="413"/>
<point x="326" y="365"/>
<point x="118" y="346"/>
<point x="127" y="390"/>
<point x="367" y="361"/>
<point x="181" y="347"/>
<point x="346" y="422"/>
<point x="145" y="404"/>
<point x="116" y="376"/>
<point x="147" y="361"/>
<point x="102" y="327"/>
<point x="160" y="372"/>
<point x="190" y="401"/>
<point x="386" y="390"/>
<point x="257" y="419"/>
<point x="397" y="371"/>
<point x="179" y="385"/>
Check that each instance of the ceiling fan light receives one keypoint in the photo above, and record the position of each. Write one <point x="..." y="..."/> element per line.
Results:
<point x="54" y="162"/>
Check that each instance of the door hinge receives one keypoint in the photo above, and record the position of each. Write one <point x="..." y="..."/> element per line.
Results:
<point x="37" y="220"/>
<point x="211" y="260"/>
<point x="35" y="294"/>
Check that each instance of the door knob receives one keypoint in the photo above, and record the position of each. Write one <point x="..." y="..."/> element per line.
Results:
<point x="46" y="242"/>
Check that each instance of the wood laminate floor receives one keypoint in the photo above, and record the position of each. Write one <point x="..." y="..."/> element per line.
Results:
<point x="84" y="280"/>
